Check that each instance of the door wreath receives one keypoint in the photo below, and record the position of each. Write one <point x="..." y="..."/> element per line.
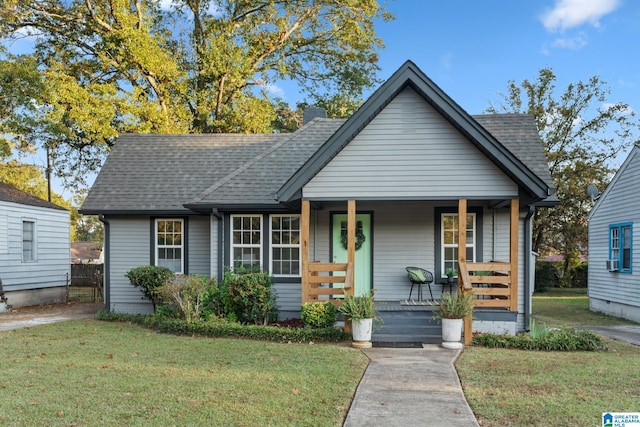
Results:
<point x="360" y="238"/>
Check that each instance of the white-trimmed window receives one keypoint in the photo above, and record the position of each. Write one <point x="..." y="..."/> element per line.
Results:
<point x="246" y="241"/>
<point x="620" y="247"/>
<point x="170" y="244"/>
<point x="28" y="240"/>
<point x="285" y="245"/>
<point x="449" y="241"/>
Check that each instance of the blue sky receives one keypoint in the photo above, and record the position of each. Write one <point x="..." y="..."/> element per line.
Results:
<point x="472" y="48"/>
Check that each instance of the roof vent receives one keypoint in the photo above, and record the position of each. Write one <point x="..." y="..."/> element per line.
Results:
<point x="311" y="113"/>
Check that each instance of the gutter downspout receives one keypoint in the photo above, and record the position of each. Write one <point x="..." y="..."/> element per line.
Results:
<point x="220" y="221"/>
<point x="106" y="250"/>
<point x="527" y="268"/>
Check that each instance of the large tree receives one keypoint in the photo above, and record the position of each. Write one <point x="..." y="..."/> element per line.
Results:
<point x="582" y="133"/>
<point x="117" y="66"/>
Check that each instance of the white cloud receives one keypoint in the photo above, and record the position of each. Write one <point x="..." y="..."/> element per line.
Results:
<point x="273" y="90"/>
<point x="628" y="111"/>
<point x="165" y="4"/>
<point x="573" y="43"/>
<point x="212" y="10"/>
<point x="573" y="13"/>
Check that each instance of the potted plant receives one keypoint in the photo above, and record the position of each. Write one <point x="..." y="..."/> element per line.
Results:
<point x="451" y="274"/>
<point x="451" y="310"/>
<point x="361" y="311"/>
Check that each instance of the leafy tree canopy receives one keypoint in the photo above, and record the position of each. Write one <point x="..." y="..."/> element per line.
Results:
<point x="200" y="66"/>
<point x="582" y="132"/>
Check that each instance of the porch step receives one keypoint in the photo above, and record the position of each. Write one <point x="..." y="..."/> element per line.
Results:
<point x="403" y="324"/>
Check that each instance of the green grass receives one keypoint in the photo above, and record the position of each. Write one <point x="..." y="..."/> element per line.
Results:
<point x="534" y="388"/>
<point x="100" y="373"/>
<point x="569" y="307"/>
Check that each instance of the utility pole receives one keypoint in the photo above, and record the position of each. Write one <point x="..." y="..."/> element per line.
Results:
<point x="48" y="176"/>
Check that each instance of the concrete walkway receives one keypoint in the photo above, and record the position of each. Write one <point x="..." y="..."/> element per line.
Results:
<point x="410" y="387"/>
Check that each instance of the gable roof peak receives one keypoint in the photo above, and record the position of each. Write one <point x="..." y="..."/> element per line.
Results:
<point x="410" y="75"/>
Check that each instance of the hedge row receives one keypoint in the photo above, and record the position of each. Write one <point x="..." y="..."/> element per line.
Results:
<point x="225" y="328"/>
<point x="565" y="339"/>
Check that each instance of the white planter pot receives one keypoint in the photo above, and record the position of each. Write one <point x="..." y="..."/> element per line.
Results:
<point x="3" y="307"/>
<point x="361" y="331"/>
<point x="452" y="333"/>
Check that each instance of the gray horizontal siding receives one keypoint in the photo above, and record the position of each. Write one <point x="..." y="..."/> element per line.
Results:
<point x="199" y="247"/>
<point x="130" y="248"/>
<point x="619" y="205"/>
<point x="52" y="247"/>
<point x="409" y="151"/>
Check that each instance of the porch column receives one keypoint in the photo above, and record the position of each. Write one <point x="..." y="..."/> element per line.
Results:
<point x="513" y="253"/>
<point x="304" y="247"/>
<point x="462" y="233"/>
<point x="462" y="259"/>
<point x="351" y="240"/>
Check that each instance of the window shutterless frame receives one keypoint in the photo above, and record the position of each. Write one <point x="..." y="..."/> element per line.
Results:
<point x="620" y="247"/>
<point x="29" y="244"/>
<point x="246" y="241"/>
<point x="169" y="244"/>
<point x="285" y="245"/>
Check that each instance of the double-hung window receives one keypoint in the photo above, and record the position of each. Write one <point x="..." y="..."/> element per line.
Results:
<point x="449" y="240"/>
<point x="285" y="245"/>
<point x="278" y="251"/>
<point x="620" y="247"/>
<point x="170" y="244"/>
<point x="246" y="242"/>
<point x="28" y="241"/>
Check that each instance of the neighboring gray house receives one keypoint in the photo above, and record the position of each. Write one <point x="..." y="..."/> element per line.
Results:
<point x="614" y="283"/>
<point x="411" y="158"/>
<point x="34" y="248"/>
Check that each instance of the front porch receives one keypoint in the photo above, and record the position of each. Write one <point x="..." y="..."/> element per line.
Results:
<point x="407" y="324"/>
<point x="494" y="284"/>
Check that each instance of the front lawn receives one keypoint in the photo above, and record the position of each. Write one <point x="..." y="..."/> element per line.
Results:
<point x="533" y="388"/>
<point x="101" y="373"/>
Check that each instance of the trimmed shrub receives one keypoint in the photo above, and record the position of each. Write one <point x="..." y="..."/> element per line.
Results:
<point x="186" y="294"/>
<point x="218" y="327"/>
<point x="247" y="298"/>
<point x="319" y="314"/>
<point x="149" y="278"/>
<point x="564" y="339"/>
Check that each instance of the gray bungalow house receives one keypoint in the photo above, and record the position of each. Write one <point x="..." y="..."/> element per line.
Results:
<point x="34" y="249"/>
<point x="407" y="180"/>
<point x="613" y="281"/>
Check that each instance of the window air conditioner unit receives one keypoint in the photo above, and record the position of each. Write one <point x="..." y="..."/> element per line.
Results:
<point x="612" y="265"/>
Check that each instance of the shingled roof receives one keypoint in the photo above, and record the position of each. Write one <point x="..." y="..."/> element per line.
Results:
<point x="257" y="181"/>
<point x="160" y="173"/>
<point x="173" y="174"/>
<point x="519" y="133"/>
<point x="9" y="193"/>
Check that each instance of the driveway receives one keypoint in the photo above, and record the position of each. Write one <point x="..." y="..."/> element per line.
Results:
<point x="42" y="314"/>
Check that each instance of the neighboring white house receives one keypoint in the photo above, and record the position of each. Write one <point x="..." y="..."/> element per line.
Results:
<point x="34" y="249"/>
<point x="614" y="283"/>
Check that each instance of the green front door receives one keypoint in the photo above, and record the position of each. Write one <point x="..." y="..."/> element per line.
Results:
<point x="364" y="244"/>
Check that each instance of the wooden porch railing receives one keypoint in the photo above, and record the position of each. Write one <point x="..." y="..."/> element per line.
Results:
<point x="491" y="283"/>
<point x="321" y="281"/>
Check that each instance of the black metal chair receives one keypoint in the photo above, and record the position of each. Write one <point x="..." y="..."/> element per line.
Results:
<point x="419" y="276"/>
